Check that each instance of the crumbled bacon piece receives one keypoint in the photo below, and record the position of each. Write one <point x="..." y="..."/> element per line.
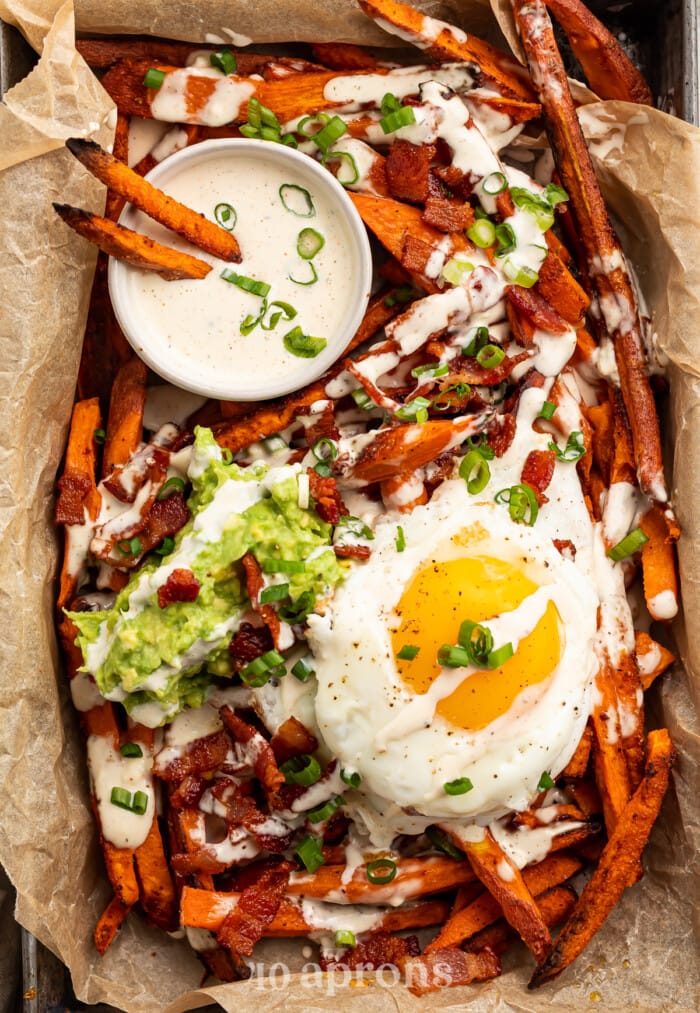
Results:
<point x="181" y="586"/>
<point x="292" y="738"/>
<point x="566" y="547"/>
<point x="379" y="950"/>
<point x="70" y="505"/>
<point x="537" y="472"/>
<point x="270" y="832"/>
<point x="323" y="425"/>
<point x="198" y="757"/>
<point x="164" y="518"/>
<point x="148" y="465"/>
<point x="407" y="171"/>
<point x="472" y="372"/>
<point x="248" y="643"/>
<point x="257" y="906"/>
<point x="329" y="502"/>
<point x="188" y="792"/>
<point x="430" y="972"/>
<point x="264" y="762"/>
<point x="415" y="253"/>
<point x="448" y="215"/>
<point x="501" y="434"/>
<point x="529" y="305"/>
<point x="352" y="551"/>
<point x="255" y="583"/>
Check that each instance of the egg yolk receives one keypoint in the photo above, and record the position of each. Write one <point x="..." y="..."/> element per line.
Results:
<point x="432" y="608"/>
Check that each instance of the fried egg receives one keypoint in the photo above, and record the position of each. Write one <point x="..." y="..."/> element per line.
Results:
<point x="433" y="742"/>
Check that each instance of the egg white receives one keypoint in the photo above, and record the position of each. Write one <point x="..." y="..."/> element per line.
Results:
<point x="374" y="722"/>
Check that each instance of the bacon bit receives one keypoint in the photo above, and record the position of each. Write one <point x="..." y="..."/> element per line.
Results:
<point x="188" y="792"/>
<point x="165" y="517"/>
<point x="408" y="169"/>
<point x="538" y="471"/>
<point x="249" y="643"/>
<point x="415" y="254"/>
<point x="532" y="307"/>
<point x="448" y="215"/>
<point x="329" y="503"/>
<point x="501" y="434"/>
<point x="380" y="950"/>
<point x="70" y="505"/>
<point x="457" y="181"/>
<point x="323" y="426"/>
<point x="292" y="738"/>
<point x="181" y="586"/>
<point x="202" y="860"/>
<point x="148" y="465"/>
<point x="352" y="551"/>
<point x="243" y="812"/>
<point x="255" y="584"/>
<point x="476" y="374"/>
<point x="264" y="763"/>
<point x="566" y="547"/>
<point x="201" y="756"/>
<point x="290" y="793"/>
<point x="257" y="906"/>
<point x="430" y="972"/>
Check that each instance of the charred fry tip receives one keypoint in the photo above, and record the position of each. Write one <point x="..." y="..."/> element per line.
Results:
<point x="79" y="145"/>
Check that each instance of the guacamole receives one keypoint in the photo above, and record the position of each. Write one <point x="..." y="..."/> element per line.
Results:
<point x="162" y="659"/>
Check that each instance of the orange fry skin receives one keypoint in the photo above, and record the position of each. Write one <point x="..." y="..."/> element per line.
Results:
<point x="109" y="924"/>
<point x="618" y="861"/>
<point x="659" y="565"/>
<point x="653" y="658"/>
<point x="122" y="180"/>
<point x="125" y="420"/>
<point x="131" y="247"/>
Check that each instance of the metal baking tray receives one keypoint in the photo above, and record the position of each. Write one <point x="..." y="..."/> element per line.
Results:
<point x="661" y="36"/>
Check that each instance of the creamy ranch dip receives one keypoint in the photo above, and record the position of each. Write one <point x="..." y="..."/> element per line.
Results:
<point x="193" y="328"/>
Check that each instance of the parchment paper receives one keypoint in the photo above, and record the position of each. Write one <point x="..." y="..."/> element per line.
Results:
<point x="645" y="958"/>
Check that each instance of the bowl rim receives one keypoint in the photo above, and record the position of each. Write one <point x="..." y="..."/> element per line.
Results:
<point x="358" y="279"/>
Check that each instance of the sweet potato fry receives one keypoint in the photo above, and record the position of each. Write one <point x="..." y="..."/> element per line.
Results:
<point x="103" y="52"/>
<point x="344" y="56"/>
<point x="407" y="447"/>
<point x="189" y="224"/>
<point x="617" y="863"/>
<point x="578" y="764"/>
<point x="109" y="923"/>
<point x="610" y="72"/>
<point x="659" y="565"/>
<point x="610" y="765"/>
<point x="120" y="149"/>
<point x="653" y="658"/>
<point x="416" y="877"/>
<point x="555" y="904"/>
<point x="442" y="42"/>
<point x="486" y="909"/>
<point x="125" y="421"/>
<point x="131" y="247"/>
<point x="156" y="889"/>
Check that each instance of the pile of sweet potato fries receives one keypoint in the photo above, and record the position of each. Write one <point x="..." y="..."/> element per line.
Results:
<point x="419" y="206"/>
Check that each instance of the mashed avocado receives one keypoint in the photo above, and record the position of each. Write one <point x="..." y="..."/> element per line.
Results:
<point x="142" y="654"/>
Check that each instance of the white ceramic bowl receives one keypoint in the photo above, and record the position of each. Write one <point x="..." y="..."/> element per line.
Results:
<point x="189" y="331"/>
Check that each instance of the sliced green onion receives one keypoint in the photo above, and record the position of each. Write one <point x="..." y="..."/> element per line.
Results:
<point x="381" y="871"/>
<point x="408" y="652"/>
<point x="442" y="842"/>
<point x="351" y="778"/>
<point x="283" y="566"/>
<point x="317" y="118"/>
<point x="154" y="78"/>
<point x="309" y="242"/>
<point x="343" y="156"/>
<point x="479" y="443"/>
<point x="547" y="410"/>
<point x="303" y="669"/>
<point x="554" y="194"/>
<point x="299" y="609"/>
<point x="224" y="60"/>
<point x="490" y="356"/>
<point x="494" y="183"/>
<point x="304" y="770"/>
<point x="482" y="233"/>
<point x="389" y="104"/>
<point x="277" y="592"/>
<point x="480" y="339"/>
<point x="303" y="345"/>
<point x="520" y="275"/>
<point x="274" y="443"/>
<point x="460" y="786"/>
<point x="323" y="469"/>
<point x="546" y="781"/>
<point x="310" y="853"/>
<point x="477" y="641"/>
<point x="450" y="656"/>
<point x="500" y="656"/>
<point x="226" y="216"/>
<point x="99" y="436"/>
<point x="536" y="206"/>
<point x="256" y="673"/>
<point x="251" y="322"/>
<point x="165" y="547"/>
<point x="355" y="526"/>
<point x="630" y="544"/>
<point x="121" y="797"/>
<point x="475" y="471"/>
<point x="325" y="449"/>
<point x="344" y="937"/>
<point x="431" y="370"/>
<point x="522" y="503"/>
<point x="139" y="803"/>
<point x="400" y="539"/>
<point x="362" y="399"/>
<point x="416" y="409"/>
<point x="131" y="749"/>
<point x="325" y="811"/>
<point x="443" y="401"/>
<point x="130" y="546"/>
<point x="251" y="285"/>
<point x="297" y="200"/>
<point x="456" y="270"/>
<point x="506" y="239"/>
<point x="397" y="119"/>
<point x="170" y="487"/>
<point x="226" y="455"/>
<point x="309" y="281"/>
<point x="573" y="451"/>
<point x="330" y="133"/>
